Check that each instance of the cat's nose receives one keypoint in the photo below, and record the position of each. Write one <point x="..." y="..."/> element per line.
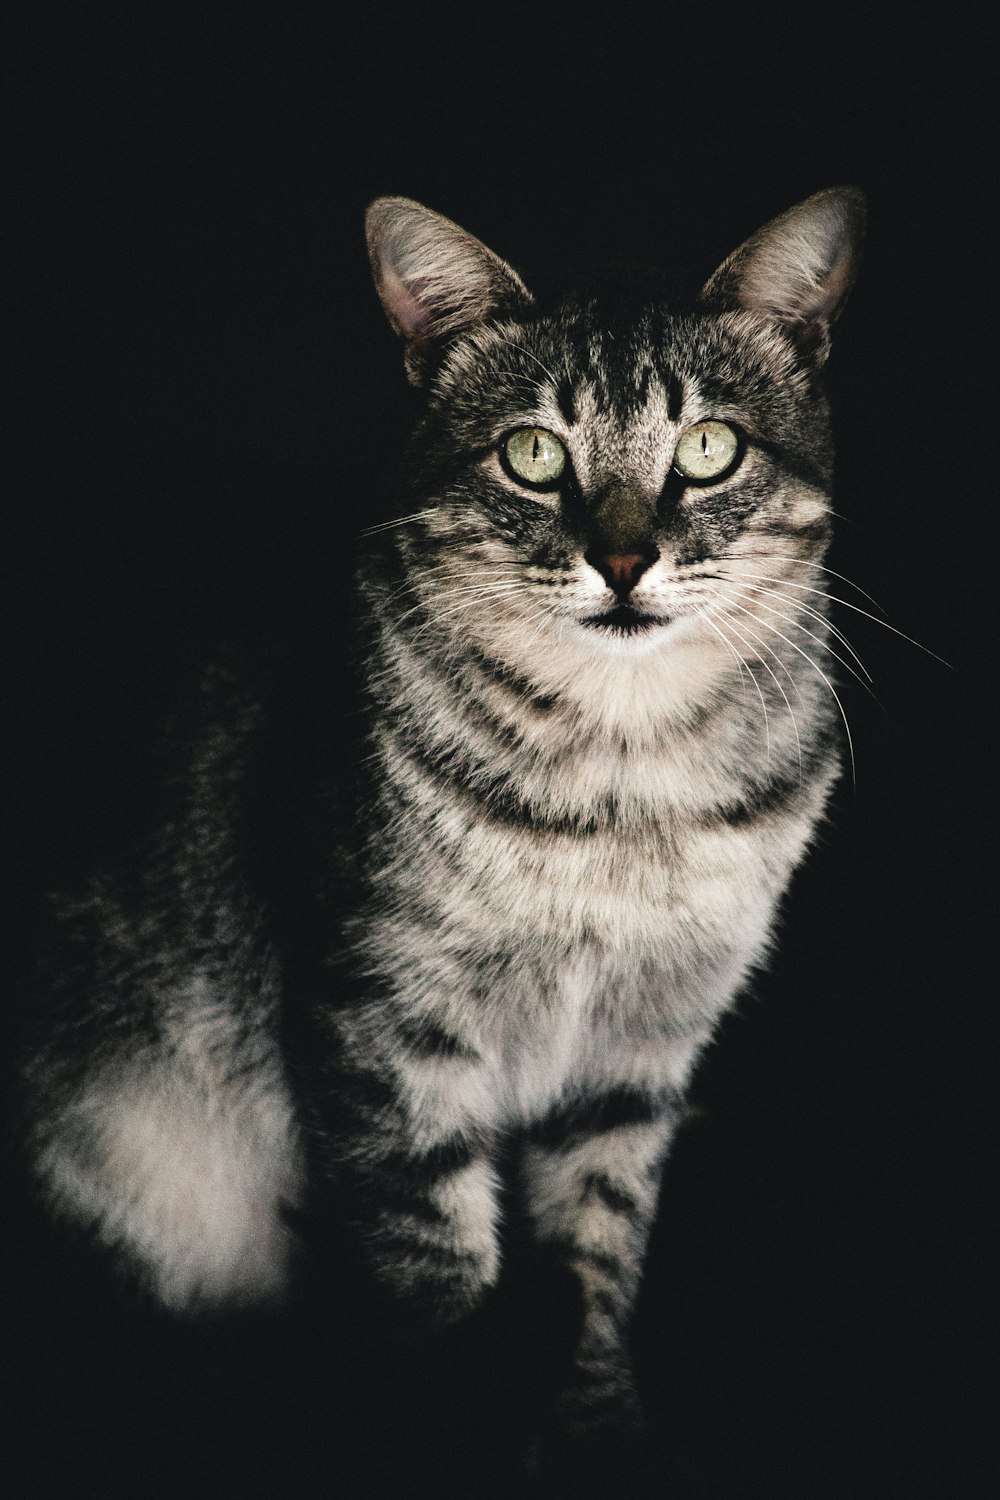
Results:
<point x="622" y="570"/>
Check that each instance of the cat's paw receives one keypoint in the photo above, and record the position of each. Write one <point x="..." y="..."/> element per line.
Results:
<point x="595" y="1467"/>
<point x="592" y="1442"/>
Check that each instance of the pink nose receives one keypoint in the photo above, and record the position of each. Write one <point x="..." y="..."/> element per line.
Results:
<point x="622" y="571"/>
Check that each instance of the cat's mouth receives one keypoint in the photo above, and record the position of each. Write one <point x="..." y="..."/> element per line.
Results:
<point x="624" y="620"/>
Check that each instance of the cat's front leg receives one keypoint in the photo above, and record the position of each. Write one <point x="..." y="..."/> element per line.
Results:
<point x="405" y="1145"/>
<point x="590" y="1178"/>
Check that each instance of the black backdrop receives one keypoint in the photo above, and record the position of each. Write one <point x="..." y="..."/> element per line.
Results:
<point x="206" y="403"/>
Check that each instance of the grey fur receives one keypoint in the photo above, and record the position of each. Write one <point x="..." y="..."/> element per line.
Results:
<point x="597" y="735"/>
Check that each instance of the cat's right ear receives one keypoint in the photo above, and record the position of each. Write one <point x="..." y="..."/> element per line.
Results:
<point x="434" y="280"/>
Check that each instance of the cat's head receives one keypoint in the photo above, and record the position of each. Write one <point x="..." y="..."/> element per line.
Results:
<point x="606" y="464"/>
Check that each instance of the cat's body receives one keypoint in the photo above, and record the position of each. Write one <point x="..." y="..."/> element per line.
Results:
<point x="594" y="736"/>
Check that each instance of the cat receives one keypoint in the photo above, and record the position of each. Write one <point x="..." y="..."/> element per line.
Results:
<point x="490" y="889"/>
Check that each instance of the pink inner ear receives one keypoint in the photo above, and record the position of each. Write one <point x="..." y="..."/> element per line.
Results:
<point x="830" y="292"/>
<point x="409" y="315"/>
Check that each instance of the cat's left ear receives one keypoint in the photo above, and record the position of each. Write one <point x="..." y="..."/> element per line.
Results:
<point x="434" y="279"/>
<point x="799" y="269"/>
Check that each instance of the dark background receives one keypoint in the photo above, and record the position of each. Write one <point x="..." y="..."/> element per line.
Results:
<point x="207" y="403"/>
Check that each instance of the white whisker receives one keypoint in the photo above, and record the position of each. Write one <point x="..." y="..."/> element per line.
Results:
<point x="796" y="625"/>
<point x="416" y="515"/>
<point x="820" y="673"/>
<point x="475" y="590"/>
<point x="472" y="597"/>
<point x="835" y="599"/>
<point x="784" y="666"/>
<point x="744" y="665"/>
<point x="808" y="609"/>
<point x="799" y="562"/>
<point x="512" y="345"/>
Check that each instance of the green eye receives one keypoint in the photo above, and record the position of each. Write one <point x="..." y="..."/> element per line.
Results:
<point x="534" y="457"/>
<point x="706" y="450"/>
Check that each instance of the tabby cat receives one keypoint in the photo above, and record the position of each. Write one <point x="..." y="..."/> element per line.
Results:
<point x="492" y="905"/>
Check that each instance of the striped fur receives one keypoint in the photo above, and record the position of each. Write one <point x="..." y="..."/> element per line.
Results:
<point x="596" y="734"/>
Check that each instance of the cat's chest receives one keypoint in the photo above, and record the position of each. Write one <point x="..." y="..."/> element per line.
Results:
<point x="631" y="885"/>
<point x="623" y="849"/>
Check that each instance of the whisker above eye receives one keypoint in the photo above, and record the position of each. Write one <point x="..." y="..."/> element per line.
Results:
<point x="520" y="347"/>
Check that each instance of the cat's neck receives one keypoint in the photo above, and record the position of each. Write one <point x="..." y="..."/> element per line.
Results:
<point x="534" y="677"/>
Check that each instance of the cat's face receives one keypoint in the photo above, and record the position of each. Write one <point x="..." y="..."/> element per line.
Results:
<point x="609" y="475"/>
<point x="604" y="470"/>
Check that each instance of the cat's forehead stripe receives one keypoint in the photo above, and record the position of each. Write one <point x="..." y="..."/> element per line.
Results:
<point x="547" y="366"/>
<point x="651" y="388"/>
<point x="621" y="367"/>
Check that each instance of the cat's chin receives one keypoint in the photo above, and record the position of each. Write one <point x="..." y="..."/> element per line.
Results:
<point x="624" y="622"/>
